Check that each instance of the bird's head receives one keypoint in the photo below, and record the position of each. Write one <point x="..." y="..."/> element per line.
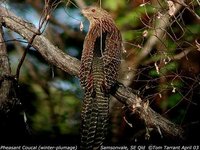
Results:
<point x="94" y="14"/>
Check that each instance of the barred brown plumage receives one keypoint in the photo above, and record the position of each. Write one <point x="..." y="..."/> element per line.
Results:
<point x="100" y="63"/>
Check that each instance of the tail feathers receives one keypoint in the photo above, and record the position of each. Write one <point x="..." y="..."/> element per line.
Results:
<point x="94" y="122"/>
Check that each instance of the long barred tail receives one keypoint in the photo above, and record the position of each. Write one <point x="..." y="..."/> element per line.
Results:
<point x="94" y="121"/>
<point x="95" y="111"/>
<point x="103" y="117"/>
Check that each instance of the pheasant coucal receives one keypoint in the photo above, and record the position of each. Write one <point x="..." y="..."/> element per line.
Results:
<point x="100" y="63"/>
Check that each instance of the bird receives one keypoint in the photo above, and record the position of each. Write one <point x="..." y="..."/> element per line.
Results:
<point x="100" y="63"/>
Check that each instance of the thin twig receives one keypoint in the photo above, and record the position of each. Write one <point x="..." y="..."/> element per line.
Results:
<point x="23" y="57"/>
<point x="42" y="23"/>
<point x="161" y="24"/>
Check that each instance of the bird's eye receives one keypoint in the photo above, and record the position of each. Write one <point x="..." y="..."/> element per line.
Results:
<point x="93" y="10"/>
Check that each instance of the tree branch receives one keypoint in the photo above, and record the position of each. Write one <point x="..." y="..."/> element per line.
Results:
<point x="8" y="100"/>
<point x="49" y="52"/>
<point x="151" y="118"/>
<point x="5" y="85"/>
<point x="160" y="28"/>
<point x="71" y="65"/>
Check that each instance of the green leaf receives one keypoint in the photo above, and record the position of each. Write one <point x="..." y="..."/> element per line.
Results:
<point x="113" y="4"/>
<point x="131" y="35"/>
<point x="132" y="18"/>
<point x="172" y="66"/>
<point x="173" y="100"/>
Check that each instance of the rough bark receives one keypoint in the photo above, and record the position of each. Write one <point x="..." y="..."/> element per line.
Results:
<point x="12" y="123"/>
<point x="5" y="83"/>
